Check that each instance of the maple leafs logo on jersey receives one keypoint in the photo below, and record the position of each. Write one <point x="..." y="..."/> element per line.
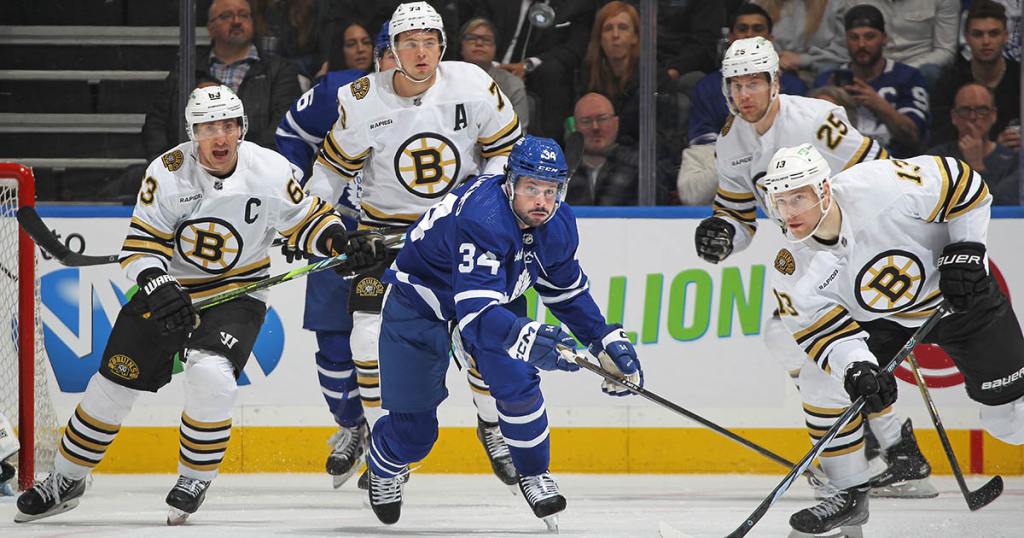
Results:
<point x="173" y="160"/>
<point x="784" y="262"/>
<point x="360" y="87"/>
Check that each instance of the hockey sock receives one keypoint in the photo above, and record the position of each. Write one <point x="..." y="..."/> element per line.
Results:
<point x="524" y="423"/>
<point x="365" y="336"/>
<point x="399" y="439"/>
<point x="337" y="377"/>
<point x="843" y="459"/>
<point x="93" y="426"/>
<point x="486" y="407"/>
<point x="210" y="390"/>
<point x="886" y="426"/>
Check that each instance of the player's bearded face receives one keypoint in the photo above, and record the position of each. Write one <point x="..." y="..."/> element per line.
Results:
<point x="534" y="200"/>
<point x="751" y="94"/>
<point x="419" y="52"/>
<point x="800" y="210"/>
<point x="218" y="144"/>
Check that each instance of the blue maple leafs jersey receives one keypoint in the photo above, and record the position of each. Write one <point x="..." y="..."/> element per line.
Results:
<point x="466" y="256"/>
<point x="310" y="118"/>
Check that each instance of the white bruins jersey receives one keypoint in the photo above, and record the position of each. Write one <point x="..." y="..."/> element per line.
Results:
<point x="897" y="216"/>
<point x="409" y="152"/>
<point x="742" y="156"/>
<point x="211" y="234"/>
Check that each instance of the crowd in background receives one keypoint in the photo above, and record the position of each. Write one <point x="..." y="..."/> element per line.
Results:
<point x="919" y="76"/>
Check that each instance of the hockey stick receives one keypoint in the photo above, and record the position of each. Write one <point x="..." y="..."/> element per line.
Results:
<point x="978" y="498"/>
<point x="581" y="359"/>
<point x="854" y="410"/>
<point x="48" y="241"/>
<point x="574" y="152"/>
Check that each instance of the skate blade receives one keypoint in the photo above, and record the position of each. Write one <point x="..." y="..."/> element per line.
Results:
<point x="20" y="517"/>
<point x="849" y="531"/>
<point x="176" y="517"/>
<point x="911" y="489"/>
<point x="339" y="480"/>
<point x="552" y="523"/>
<point x="514" y="488"/>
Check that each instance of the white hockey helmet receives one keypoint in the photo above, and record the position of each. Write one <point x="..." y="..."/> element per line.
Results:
<point x="415" y="16"/>
<point x="213" y="103"/>
<point x="748" y="56"/>
<point x="793" y="168"/>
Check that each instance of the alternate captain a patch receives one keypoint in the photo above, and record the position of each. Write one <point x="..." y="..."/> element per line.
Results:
<point x="173" y="160"/>
<point x="784" y="262"/>
<point x="360" y="87"/>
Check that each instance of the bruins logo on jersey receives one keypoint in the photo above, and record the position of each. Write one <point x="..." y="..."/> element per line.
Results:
<point x="209" y="243"/>
<point x="784" y="262"/>
<point x="124" y="367"/>
<point x="890" y="282"/>
<point x="360" y="87"/>
<point x="173" y="160"/>
<point x="369" y="286"/>
<point x="427" y="165"/>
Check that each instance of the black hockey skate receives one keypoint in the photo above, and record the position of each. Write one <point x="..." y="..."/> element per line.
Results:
<point x="348" y="446"/>
<point x="541" y="492"/>
<point x="907" y="473"/>
<point x="493" y="441"/>
<point x="386" y="496"/>
<point x="185" y="498"/>
<point x="55" y="495"/>
<point x="847" y="508"/>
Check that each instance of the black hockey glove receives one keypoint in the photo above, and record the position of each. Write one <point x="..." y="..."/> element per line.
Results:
<point x="168" y="304"/>
<point x="878" y="388"/>
<point x="714" y="239"/>
<point x="962" y="274"/>
<point x="363" y="248"/>
<point x="292" y="254"/>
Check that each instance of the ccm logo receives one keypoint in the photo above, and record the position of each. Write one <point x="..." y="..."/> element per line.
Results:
<point x="524" y="343"/>
<point x="998" y="383"/>
<point x="959" y="258"/>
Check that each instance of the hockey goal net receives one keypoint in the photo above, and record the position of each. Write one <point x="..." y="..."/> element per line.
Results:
<point x="24" y="390"/>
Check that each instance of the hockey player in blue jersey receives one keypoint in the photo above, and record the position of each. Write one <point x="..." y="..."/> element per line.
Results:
<point x="299" y="137"/>
<point x="482" y="246"/>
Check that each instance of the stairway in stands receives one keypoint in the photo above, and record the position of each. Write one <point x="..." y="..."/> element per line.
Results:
<point x="76" y="79"/>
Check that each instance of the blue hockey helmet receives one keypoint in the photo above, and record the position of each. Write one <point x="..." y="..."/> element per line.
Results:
<point x="382" y="43"/>
<point x="537" y="158"/>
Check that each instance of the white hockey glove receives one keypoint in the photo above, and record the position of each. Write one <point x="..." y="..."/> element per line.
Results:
<point x="8" y="440"/>
<point x="618" y="356"/>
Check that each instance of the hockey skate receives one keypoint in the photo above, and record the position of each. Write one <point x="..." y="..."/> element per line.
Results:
<point x="185" y="498"/>
<point x="386" y="496"/>
<point x="843" y="512"/>
<point x="907" y="473"/>
<point x="348" y="446"/>
<point x="55" y="495"/>
<point x="541" y="492"/>
<point x="497" y="452"/>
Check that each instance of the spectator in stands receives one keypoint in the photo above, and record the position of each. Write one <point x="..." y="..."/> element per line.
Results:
<point x="545" y="57"/>
<point x="802" y="31"/>
<point x="294" y="29"/>
<point x="373" y="13"/>
<point x="986" y="35"/>
<point x="1013" y="27"/>
<point x="837" y="96"/>
<point x="608" y="172"/>
<point x="891" y="97"/>
<point x="479" y="38"/>
<point x="709" y="112"/>
<point x="974" y="113"/>
<point x="354" y="50"/>
<point x="688" y="36"/>
<point x="267" y="84"/>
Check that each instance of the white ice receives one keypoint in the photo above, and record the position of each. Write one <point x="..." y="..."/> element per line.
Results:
<point x="254" y="505"/>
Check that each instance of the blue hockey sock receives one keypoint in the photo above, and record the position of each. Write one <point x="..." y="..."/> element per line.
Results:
<point x="337" y="378"/>
<point x="524" y="424"/>
<point x="399" y="439"/>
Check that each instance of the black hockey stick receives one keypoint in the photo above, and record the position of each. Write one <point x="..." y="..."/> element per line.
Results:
<point x="582" y="360"/>
<point x="48" y="241"/>
<point x="854" y="410"/>
<point x="574" y="152"/>
<point x="978" y="498"/>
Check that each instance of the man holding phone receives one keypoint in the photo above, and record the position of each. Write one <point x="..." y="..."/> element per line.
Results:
<point x="891" y="97"/>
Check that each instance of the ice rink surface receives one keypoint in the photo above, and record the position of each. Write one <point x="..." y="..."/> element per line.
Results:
<point x="478" y="505"/>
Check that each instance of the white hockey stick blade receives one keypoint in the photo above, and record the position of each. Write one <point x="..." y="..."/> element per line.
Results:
<point x="668" y="531"/>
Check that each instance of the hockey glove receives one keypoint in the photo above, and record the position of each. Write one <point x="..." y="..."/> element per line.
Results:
<point x="168" y="304"/>
<point x="617" y="356"/>
<point x="878" y="388"/>
<point x="714" y="239"/>
<point x="362" y="248"/>
<point x="537" y="343"/>
<point x="291" y="254"/>
<point x="962" y="274"/>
